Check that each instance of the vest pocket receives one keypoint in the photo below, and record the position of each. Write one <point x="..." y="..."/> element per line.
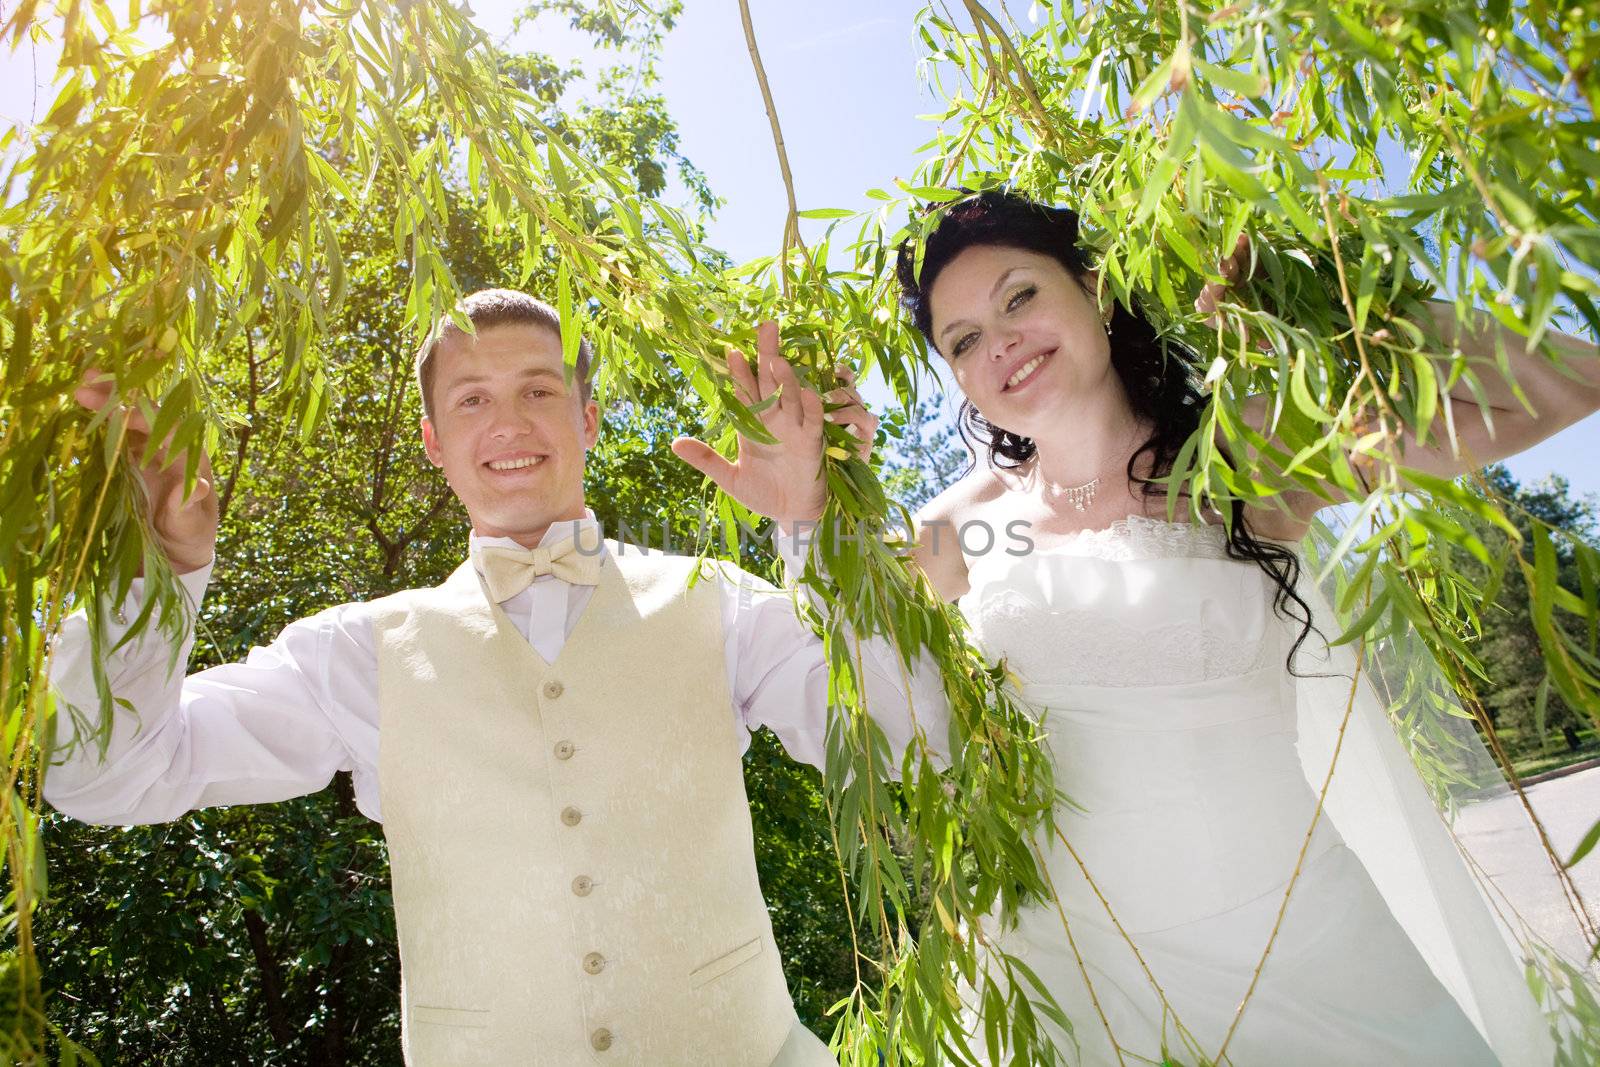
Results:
<point x="724" y="963"/>
<point x="431" y="1015"/>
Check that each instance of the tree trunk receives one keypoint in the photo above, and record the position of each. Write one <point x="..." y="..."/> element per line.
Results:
<point x="271" y="976"/>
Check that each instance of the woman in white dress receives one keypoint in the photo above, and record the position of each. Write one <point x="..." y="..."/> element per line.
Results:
<point x="1158" y="655"/>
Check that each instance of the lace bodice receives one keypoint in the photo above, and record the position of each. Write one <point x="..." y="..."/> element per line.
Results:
<point x="1141" y="602"/>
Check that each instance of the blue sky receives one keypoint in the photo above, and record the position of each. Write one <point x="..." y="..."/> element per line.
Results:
<point x="844" y="77"/>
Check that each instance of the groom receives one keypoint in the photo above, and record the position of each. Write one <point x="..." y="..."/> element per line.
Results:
<point x="545" y="736"/>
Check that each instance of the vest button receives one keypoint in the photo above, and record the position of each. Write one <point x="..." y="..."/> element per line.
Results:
<point x="565" y="749"/>
<point x="571" y="816"/>
<point x="582" y="884"/>
<point x="553" y="689"/>
<point x="594" y="963"/>
<point x="600" y="1039"/>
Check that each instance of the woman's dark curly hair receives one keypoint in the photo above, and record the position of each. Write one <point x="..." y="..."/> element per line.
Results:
<point x="1160" y="376"/>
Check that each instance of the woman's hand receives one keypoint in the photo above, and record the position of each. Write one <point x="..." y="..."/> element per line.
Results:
<point x="1230" y="268"/>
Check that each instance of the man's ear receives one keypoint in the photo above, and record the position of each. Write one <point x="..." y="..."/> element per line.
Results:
<point x="591" y="424"/>
<point x="430" y="443"/>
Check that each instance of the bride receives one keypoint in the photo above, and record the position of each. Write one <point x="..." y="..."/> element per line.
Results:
<point x="1172" y="665"/>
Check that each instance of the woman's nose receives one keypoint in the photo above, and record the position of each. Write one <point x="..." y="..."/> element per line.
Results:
<point x="1002" y="341"/>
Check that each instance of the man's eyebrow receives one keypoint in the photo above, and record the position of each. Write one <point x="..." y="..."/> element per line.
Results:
<point x="998" y="285"/>
<point x="479" y="379"/>
<point x="465" y="379"/>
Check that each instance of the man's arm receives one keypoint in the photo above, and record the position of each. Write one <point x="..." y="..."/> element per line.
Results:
<point x="276" y="726"/>
<point x="776" y="668"/>
<point x="778" y="674"/>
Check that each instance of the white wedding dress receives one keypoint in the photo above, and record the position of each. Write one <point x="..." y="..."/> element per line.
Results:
<point x="1158" y="666"/>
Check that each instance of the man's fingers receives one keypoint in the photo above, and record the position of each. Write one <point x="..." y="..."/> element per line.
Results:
<point x="767" y="339"/>
<point x="811" y="407"/>
<point x="843" y="400"/>
<point x="791" y="394"/>
<point x="745" y="387"/>
<point x="179" y="501"/>
<point x="767" y="358"/>
<point x="96" y="392"/>
<point x="705" y="459"/>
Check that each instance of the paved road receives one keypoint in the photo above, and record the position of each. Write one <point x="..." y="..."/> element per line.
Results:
<point x="1498" y="834"/>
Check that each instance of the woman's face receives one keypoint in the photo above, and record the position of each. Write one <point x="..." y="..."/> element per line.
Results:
<point x="1022" y="335"/>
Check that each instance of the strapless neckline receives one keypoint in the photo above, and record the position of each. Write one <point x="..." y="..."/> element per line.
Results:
<point x="1139" y="602"/>
<point x="1130" y="538"/>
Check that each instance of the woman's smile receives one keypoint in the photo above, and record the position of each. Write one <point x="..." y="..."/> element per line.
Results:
<point x="1026" y="374"/>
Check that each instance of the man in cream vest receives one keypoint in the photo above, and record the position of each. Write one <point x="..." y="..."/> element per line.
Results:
<point x="558" y="777"/>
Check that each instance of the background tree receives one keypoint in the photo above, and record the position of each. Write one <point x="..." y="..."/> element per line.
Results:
<point x="926" y="455"/>
<point x="1518" y="692"/>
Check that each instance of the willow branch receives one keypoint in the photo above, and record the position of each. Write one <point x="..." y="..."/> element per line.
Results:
<point x="1305" y="844"/>
<point x="984" y="21"/>
<point x="958" y="154"/>
<point x="791" y="222"/>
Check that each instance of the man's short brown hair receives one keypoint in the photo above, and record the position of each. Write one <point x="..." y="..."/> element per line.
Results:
<point x="497" y="307"/>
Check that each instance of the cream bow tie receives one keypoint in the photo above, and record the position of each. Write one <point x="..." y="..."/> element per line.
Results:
<point x="508" y="571"/>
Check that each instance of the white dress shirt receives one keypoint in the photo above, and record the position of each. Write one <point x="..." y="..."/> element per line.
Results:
<point x="304" y="707"/>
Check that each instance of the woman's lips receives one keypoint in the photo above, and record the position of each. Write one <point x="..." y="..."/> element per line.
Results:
<point x="1025" y="374"/>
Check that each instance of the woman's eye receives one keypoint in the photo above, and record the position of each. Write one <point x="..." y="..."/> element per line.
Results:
<point x="1020" y="297"/>
<point x="967" y="341"/>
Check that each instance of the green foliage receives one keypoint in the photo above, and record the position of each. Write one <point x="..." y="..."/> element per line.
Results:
<point x="243" y="935"/>
<point x="186" y="218"/>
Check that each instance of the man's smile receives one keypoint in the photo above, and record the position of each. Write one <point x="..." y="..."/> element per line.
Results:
<point x="514" y="463"/>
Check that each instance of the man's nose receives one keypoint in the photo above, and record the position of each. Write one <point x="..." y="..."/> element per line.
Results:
<point x="509" y="421"/>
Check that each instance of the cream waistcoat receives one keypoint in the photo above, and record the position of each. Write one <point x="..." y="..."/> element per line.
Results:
<point x="574" y="875"/>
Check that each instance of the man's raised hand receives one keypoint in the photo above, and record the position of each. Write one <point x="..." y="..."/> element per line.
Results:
<point x="186" y="525"/>
<point x="783" y="481"/>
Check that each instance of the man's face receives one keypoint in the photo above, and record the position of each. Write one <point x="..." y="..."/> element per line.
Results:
<point x="508" y="432"/>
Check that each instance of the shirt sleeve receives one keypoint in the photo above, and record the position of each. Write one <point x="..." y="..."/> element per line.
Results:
<point x="278" y="725"/>
<point x="778" y="674"/>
